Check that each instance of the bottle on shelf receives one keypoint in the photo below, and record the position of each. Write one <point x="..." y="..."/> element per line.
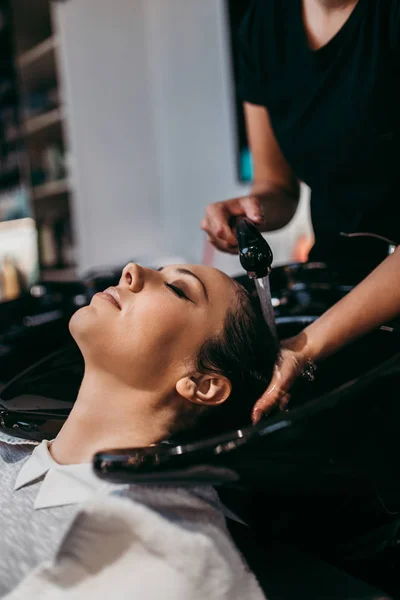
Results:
<point x="11" y="279"/>
<point x="47" y="244"/>
<point x="53" y="162"/>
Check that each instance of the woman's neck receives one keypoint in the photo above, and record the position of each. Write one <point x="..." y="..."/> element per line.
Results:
<point x="108" y="415"/>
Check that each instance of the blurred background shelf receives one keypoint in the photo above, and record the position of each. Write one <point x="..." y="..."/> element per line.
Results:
<point x="38" y="133"/>
<point x="39" y="55"/>
<point x="9" y="178"/>
<point x="51" y="189"/>
<point x="37" y="67"/>
<point x="66" y="274"/>
<point x="44" y="122"/>
<point x="13" y="137"/>
<point x="32" y="24"/>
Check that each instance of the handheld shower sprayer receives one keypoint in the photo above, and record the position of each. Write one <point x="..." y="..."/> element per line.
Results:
<point x="256" y="258"/>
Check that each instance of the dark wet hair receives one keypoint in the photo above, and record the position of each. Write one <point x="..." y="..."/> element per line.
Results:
<point x="245" y="352"/>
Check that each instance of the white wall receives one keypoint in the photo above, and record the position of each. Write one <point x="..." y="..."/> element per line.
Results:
<point x="190" y="73"/>
<point x="152" y="125"/>
<point x="111" y="129"/>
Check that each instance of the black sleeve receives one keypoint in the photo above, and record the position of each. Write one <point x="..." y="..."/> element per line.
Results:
<point x="250" y="88"/>
<point x="394" y="25"/>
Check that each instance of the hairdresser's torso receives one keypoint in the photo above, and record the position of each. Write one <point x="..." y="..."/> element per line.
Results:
<point x="335" y="111"/>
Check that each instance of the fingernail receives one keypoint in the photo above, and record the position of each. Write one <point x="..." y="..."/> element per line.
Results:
<point x="257" y="218"/>
<point x="284" y="402"/>
<point x="256" y="416"/>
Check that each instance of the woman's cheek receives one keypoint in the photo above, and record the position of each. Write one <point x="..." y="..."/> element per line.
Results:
<point x="162" y="311"/>
<point x="166" y="327"/>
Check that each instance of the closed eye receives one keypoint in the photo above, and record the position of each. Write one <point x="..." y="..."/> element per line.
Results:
<point x="178" y="291"/>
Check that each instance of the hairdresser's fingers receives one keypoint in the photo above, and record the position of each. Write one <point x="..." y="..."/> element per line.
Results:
<point x="283" y="402"/>
<point x="270" y="398"/>
<point x="219" y="220"/>
<point x="286" y="371"/>
<point x="216" y="223"/>
<point x="253" y="210"/>
<point x="266" y="403"/>
<point x="223" y="246"/>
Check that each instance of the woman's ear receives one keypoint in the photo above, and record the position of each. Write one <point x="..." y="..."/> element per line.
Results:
<point x="208" y="390"/>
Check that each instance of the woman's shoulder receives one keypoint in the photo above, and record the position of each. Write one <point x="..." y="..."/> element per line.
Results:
<point x="13" y="450"/>
<point x="11" y="440"/>
<point x="176" y="503"/>
<point x="136" y="519"/>
<point x="123" y="540"/>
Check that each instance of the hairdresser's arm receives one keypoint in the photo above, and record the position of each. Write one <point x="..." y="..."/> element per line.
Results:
<point x="274" y="196"/>
<point x="376" y="300"/>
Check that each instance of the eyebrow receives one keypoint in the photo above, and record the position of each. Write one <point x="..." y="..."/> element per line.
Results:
<point x="183" y="271"/>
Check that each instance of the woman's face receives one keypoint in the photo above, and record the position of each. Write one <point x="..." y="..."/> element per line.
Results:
<point x="147" y="331"/>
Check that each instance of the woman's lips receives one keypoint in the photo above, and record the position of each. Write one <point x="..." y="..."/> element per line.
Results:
<point x="112" y="296"/>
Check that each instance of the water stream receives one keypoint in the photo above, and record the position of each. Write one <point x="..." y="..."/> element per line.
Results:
<point x="264" y="293"/>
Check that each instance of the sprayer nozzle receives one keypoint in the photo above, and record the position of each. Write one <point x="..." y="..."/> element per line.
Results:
<point x="254" y="251"/>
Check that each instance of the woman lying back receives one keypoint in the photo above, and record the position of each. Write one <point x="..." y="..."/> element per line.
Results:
<point x="165" y="352"/>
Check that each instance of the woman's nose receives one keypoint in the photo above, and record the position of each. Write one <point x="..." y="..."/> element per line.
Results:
<point x="133" y="277"/>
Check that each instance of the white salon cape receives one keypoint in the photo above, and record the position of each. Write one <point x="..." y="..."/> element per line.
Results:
<point x="90" y="539"/>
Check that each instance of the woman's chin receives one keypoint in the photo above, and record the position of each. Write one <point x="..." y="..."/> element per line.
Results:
<point x="82" y="322"/>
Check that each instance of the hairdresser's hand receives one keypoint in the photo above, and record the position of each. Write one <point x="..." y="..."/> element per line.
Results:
<point x="290" y="365"/>
<point x="219" y="217"/>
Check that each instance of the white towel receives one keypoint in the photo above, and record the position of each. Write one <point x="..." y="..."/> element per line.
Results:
<point x="121" y="548"/>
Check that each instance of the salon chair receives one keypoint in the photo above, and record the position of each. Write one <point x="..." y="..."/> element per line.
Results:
<point x="309" y="289"/>
<point x="36" y="324"/>
<point x="323" y="477"/>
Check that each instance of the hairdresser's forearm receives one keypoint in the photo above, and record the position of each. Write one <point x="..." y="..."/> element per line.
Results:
<point x="278" y="203"/>
<point x="376" y="300"/>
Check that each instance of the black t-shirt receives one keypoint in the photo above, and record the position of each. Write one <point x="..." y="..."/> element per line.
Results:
<point x="335" y="112"/>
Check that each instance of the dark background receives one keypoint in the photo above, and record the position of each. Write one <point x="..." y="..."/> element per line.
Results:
<point x="236" y="12"/>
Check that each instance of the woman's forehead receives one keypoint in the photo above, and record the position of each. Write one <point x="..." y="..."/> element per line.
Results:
<point x="206" y="270"/>
<point x="221" y="289"/>
<point x="213" y="277"/>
